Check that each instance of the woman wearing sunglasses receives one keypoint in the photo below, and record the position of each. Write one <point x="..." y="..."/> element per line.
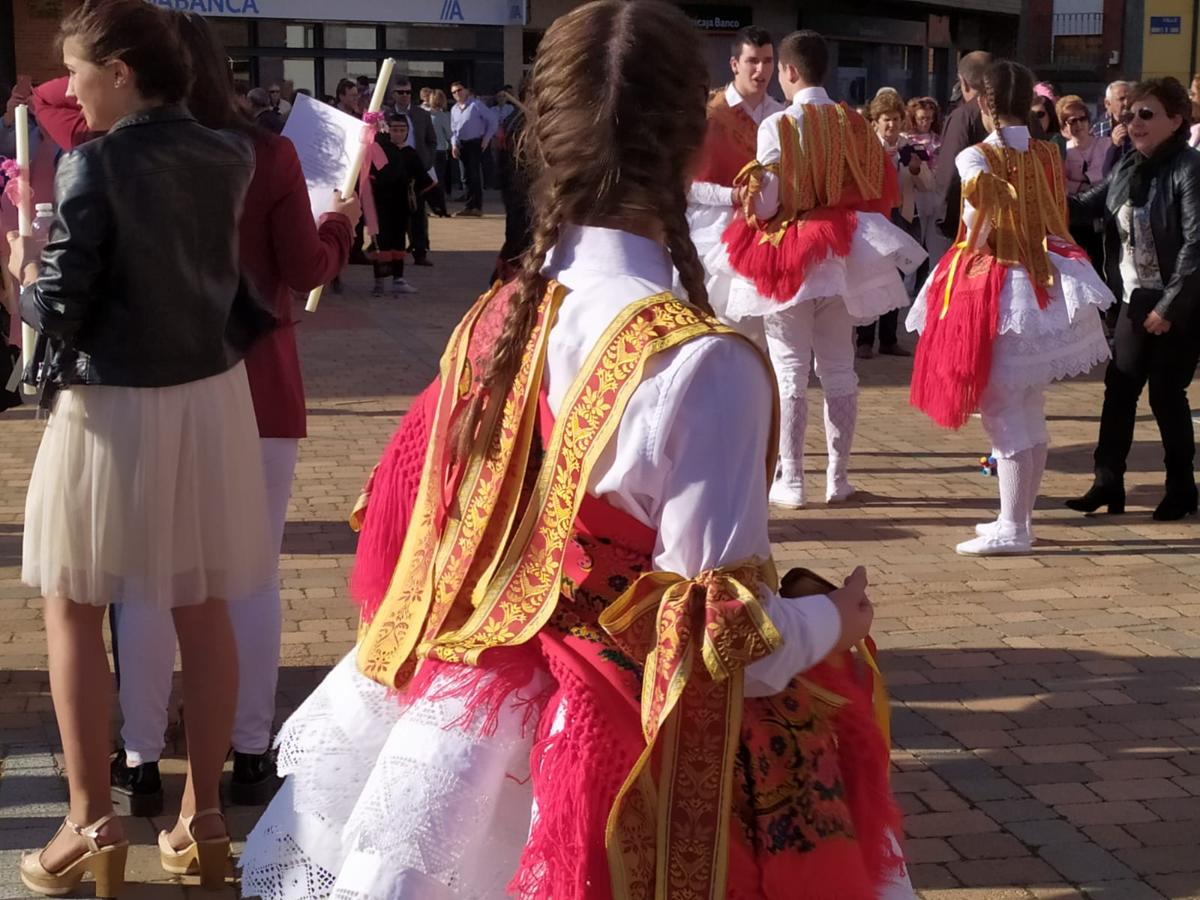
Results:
<point x="1151" y="211"/>
<point x="1044" y="123"/>
<point x="1087" y="163"/>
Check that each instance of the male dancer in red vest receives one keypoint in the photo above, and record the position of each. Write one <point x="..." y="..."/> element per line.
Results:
<point x="734" y="115"/>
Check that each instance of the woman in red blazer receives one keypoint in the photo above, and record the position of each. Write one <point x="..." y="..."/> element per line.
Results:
<point x="282" y="251"/>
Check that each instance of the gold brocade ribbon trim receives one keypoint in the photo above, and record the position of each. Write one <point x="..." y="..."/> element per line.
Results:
<point x="696" y="638"/>
<point x="437" y="562"/>
<point x="521" y="596"/>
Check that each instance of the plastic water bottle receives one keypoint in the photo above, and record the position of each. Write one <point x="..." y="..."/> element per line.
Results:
<point x="43" y="215"/>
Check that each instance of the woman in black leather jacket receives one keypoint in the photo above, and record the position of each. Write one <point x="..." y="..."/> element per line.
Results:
<point x="148" y="487"/>
<point x="1151" y="211"/>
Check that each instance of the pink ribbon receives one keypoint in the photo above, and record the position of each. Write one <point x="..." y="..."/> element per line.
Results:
<point x="374" y="118"/>
<point x="375" y="157"/>
<point x="11" y="171"/>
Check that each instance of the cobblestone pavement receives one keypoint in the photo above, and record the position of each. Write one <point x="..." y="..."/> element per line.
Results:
<point x="1047" y="714"/>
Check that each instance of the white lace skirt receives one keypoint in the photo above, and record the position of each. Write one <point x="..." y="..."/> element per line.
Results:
<point x="384" y="801"/>
<point x="1036" y="346"/>
<point x="153" y="496"/>
<point x="391" y="802"/>
<point x="869" y="280"/>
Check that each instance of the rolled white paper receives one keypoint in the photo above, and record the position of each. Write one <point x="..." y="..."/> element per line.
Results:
<point x="351" y="179"/>
<point x="24" y="220"/>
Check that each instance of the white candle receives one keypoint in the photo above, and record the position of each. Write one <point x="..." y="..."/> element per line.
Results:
<point x="24" y="212"/>
<point x="24" y="220"/>
<point x="351" y="179"/>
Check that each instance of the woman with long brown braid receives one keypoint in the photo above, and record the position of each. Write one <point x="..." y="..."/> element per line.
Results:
<point x="593" y="484"/>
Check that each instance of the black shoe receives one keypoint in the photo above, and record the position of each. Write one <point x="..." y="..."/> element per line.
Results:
<point x="420" y="259"/>
<point x="1175" y="507"/>
<point x="1099" y="495"/>
<point x="893" y="350"/>
<point x="254" y="780"/>
<point x="136" y="790"/>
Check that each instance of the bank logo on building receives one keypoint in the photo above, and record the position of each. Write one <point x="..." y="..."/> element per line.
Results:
<point x="452" y="11"/>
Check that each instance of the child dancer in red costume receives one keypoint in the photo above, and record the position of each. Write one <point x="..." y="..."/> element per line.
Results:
<point x="1010" y="308"/>
<point x="576" y="679"/>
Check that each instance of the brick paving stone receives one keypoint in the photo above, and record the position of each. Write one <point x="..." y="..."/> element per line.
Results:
<point x="1081" y="861"/>
<point x="1023" y="871"/>
<point x="1046" y="831"/>
<point x="988" y="846"/>
<point x="1046" y="701"/>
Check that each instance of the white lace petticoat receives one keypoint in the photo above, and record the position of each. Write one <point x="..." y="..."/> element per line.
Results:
<point x="869" y="279"/>
<point x="384" y="801"/>
<point x="1039" y="346"/>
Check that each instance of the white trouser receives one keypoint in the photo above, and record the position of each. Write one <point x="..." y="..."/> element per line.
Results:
<point x="820" y="330"/>
<point x="1014" y="418"/>
<point x="146" y="643"/>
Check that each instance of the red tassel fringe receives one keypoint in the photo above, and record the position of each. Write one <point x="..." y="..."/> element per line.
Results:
<point x="863" y="757"/>
<point x="778" y="272"/>
<point x="954" y="356"/>
<point x="485" y="688"/>
<point x="392" y="497"/>
<point x="577" y="772"/>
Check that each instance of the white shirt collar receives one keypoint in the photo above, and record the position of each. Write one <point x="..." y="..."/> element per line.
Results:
<point x="584" y="251"/>
<point x="1015" y="136"/>
<point x="769" y="104"/>
<point x="810" y="95"/>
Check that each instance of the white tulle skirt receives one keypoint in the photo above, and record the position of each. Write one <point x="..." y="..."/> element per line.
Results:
<point x="869" y="280"/>
<point x="153" y="496"/>
<point x="1036" y="346"/>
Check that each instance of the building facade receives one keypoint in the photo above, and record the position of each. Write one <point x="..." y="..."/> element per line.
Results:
<point x="1082" y="45"/>
<point x="907" y="44"/>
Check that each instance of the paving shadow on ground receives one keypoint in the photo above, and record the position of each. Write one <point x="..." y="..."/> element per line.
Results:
<point x="306" y="537"/>
<point x="1091" y="761"/>
<point x="10" y="545"/>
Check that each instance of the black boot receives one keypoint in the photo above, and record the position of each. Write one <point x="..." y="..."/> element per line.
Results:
<point x="254" y="780"/>
<point x="1099" y="495"/>
<point x="1175" y="506"/>
<point x="135" y="790"/>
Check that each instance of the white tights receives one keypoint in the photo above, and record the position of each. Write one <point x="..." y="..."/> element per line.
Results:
<point x="146" y="643"/>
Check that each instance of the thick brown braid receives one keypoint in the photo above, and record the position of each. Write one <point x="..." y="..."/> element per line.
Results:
<point x="599" y="148"/>
<point x="684" y="256"/>
<point x="1008" y="87"/>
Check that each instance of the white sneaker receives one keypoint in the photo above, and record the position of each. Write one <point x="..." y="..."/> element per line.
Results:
<point x="1005" y="540"/>
<point x="401" y="286"/>
<point x="838" y="492"/>
<point x="789" y="496"/>
<point x="986" y="529"/>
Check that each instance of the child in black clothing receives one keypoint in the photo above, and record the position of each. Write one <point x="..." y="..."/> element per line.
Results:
<point x="395" y="186"/>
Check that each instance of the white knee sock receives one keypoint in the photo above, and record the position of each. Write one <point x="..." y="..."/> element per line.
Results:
<point x="1016" y="475"/>
<point x="1040" y="452"/>
<point x="841" y="417"/>
<point x="788" y="488"/>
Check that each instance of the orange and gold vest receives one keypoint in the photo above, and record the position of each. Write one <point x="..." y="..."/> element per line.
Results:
<point x="1024" y="198"/>
<point x="730" y="142"/>
<point x="840" y="163"/>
